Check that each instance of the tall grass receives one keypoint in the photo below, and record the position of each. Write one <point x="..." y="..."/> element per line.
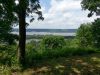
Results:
<point x="36" y="52"/>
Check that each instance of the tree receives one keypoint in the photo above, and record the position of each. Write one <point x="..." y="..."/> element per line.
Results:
<point x="6" y="21"/>
<point x="92" y="5"/>
<point x="96" y="32"/>
<point x="84" y="35"/>
<point x="20" y="9"/>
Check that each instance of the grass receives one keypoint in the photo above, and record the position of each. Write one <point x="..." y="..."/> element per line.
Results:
<point x="56" y="53"/>
<point x="74" y="65"/>
<point x="68" y="60"/>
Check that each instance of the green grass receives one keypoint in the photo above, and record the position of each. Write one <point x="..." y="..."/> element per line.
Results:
<point x="56" y="53"/>
<point x="73" y="65"/>
<point x="69" y="60"/>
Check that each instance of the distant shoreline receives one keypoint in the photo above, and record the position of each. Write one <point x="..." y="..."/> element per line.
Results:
<point x="47" y="33"/>
<point x="48" y="30"/>
<point x="59" y="32"/>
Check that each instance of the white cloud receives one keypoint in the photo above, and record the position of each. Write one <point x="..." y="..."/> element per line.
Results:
<point x="63" y="14"/>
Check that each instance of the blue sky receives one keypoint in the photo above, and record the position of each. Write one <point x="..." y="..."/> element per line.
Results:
<point x="46" y="4"/>
<point x="61" y="14"/>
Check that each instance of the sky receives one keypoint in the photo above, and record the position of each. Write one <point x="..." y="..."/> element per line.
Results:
<point x="61" y="14"/>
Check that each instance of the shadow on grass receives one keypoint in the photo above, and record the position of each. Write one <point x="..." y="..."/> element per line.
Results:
<point x="74" y="65"/>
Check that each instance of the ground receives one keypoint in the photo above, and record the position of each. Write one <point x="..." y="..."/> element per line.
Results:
<point x="74" y="65"/>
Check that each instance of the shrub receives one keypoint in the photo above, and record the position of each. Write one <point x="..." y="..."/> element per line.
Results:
<point x="53" y="42"/>
<point x="8" y="55"/>
<point x="72" y="43"/>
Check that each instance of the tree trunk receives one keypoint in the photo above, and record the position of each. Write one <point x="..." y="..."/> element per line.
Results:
<point x="22" y="37"/>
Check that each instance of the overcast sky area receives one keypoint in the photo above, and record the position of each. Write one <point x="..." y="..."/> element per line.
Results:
<point x="61" y="14"/>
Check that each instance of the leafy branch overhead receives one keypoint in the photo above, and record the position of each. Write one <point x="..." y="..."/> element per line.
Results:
<point x="10" y="8"/>
<point x="92" y="5"/>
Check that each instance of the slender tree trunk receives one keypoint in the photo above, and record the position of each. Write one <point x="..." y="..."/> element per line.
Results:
<point x="22" y="37"/>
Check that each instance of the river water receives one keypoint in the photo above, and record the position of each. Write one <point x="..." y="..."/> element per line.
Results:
<point x="48" y="33"/>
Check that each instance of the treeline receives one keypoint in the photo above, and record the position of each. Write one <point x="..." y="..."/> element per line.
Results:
<point x="41" y="37"/>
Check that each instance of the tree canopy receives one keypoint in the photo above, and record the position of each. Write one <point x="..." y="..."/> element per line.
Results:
<point x="92" y="5"/>
<point x="84" y="35"/>
<point x="12" y="7"/>
<point x="96" y="32"/>
<point x="6" y="21"/>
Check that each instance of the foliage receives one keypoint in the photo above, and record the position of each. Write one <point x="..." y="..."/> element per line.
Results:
<point x="8" y="59"/>
<point x="53" y="42"/>
<point x="8" y="39"/>
<point x="7" y="55"/>
<point x="96" y="32"/>
<point x="88" y="34"/>
<point x="6" y="21"/>
<point x="92" y="5"/>
<point x="17" y="11"/>
<point x="35" y="52"/>
<point x="72" y="43"/>
<point x="10" y="8"/>
<point x="84" y="35"/>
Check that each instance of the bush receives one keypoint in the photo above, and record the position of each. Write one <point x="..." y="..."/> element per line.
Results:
<point x="8" y="59"/>
<point x="53" y="42"/>
<point x="49" y="48"/>
<point x="8" y="55"/>
<point x="72" y="43"/>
